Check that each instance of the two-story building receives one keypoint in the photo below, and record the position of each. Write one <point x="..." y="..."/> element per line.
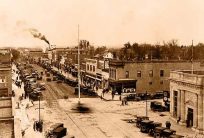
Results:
<point x="187" y="98"/>
<point x="150" y="76"/>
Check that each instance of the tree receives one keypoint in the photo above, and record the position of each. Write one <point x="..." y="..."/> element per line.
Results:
<point x="15" y="55"/>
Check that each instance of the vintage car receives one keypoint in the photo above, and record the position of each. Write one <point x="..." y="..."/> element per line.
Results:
<point x="132" y="97"/>
<point x="144" y="126"/>
<point x="158" y="95"/>
<point x="157" y="106"/>
<point x="152" y="127"/>
<point x="168" y="132"/>
<point x="57" y="131"/>
<point x="158" y="132"/>
<point x="139" y="119"/>
<point x="60" y="132"/>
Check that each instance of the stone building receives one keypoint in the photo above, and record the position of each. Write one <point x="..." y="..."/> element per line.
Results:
<point x="186" y="96"/>
<point x="150" y="76"/>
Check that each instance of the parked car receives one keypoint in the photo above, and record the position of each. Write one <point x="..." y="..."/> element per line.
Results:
<point x="158" y="132"/>
<point x="57" y="130"/>
<point x="168" y="132"/>
<point x="139" y="119"/>
<point x="133" y="97"/>
<point x="144" y="126"/>
<point x="157" y="106"/>
<point x="152" y="127"/>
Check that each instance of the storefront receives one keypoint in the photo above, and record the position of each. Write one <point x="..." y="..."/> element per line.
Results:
<point x="121" y="84"/>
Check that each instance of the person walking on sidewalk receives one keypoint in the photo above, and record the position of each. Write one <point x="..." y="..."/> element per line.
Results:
<point x="113" y="94"/>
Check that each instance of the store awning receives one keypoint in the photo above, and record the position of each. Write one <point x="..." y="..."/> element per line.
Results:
<point x="93" y="77"/>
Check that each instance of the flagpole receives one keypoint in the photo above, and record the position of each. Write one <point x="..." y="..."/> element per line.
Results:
<point x="78" y="67"/>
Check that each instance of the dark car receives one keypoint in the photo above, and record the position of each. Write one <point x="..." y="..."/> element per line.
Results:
<point x="157" y="106"/>
<point x="144" y="96"/>
<point x="60" y="132"/>
<point x="57" y="130"/>
<point x="152" y="127"/>
<point x="133" y="97"/>
<point x="168" y="132"/>
<point x="139" y="119"/>
<point x="158" y="95"/>
<point x="158" y="132"/>
<point x="144" y="126"/>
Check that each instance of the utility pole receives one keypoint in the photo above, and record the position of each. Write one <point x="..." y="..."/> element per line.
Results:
<point x="78" y="66"/>
<point x="146" y="105"/>
<point x="39" y="107"/>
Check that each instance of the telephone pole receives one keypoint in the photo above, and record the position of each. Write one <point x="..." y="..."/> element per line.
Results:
<point x="78" y="66"/>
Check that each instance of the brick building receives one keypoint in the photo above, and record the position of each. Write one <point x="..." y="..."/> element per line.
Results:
<point x="150" y="76"/>
<point x="187" y="101"/>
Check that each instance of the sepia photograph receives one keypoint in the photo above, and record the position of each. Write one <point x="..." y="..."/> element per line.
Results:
<point x="101" y="69"/>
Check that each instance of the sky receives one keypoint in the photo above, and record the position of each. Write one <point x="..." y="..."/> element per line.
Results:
<point x="102" y="22"/>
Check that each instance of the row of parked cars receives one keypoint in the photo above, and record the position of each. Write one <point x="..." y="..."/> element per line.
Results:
<point x="29" y="76"/>
<point x="59" y="77"/>
<point x="155" y="129"/>
<point x="144" y="96"/>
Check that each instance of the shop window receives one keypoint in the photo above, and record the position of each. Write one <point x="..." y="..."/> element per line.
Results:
<point x="139" y="74"/>
<point x="161" y="73"/>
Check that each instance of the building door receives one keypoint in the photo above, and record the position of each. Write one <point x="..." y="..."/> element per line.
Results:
<point x="190" y="117"/>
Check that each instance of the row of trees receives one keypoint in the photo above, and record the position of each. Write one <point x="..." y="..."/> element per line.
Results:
<point x="168" y="51"/>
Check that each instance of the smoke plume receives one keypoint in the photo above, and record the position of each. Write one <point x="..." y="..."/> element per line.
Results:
<point x="38" y="35"/>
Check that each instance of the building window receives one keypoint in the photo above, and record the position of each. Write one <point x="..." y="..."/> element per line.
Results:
<point x="87" y="66"/>
<point x="161" y="73"/>
<point x="151" y="73"/>
<point x="161" y="82"/>
<point x="127" y="74"/>
<point x="150" y="83"/>
<point x="93" y="68"/>
<point x="90" y="67"/>
<point x="139" y="74"/>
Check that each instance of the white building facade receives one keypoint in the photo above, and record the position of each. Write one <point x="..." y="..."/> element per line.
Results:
<point x="186" y="96"/>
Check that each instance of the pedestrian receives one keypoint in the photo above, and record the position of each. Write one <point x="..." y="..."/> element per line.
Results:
<point x="113" y="94"/>
<point x="168" y="124"/>
<point x="179" y="118"/>
<point x="34" y="126"/>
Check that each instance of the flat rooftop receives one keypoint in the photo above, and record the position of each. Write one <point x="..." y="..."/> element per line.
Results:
<point x="194" y="72"/>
